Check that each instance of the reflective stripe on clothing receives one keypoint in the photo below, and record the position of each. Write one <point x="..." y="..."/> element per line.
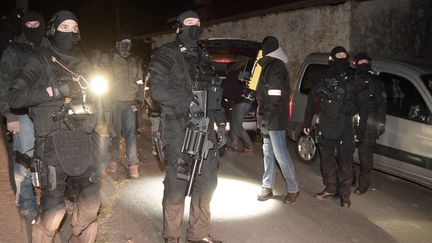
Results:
<point x="274" y="92"/>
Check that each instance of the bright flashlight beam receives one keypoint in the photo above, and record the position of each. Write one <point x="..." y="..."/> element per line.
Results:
<point x="99" y="85"/>
<point x="233" y="198"/>
<point x="236" y="199"/>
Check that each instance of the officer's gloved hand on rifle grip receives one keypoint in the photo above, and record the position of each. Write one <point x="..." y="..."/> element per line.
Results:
<point x="195" y="110"/>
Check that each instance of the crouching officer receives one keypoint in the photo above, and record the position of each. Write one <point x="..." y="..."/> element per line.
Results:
<point x="52" y="85"/>
<point x="367" y="83"/>
<point x="180" y="70"/>
<point x="336" y="103"/>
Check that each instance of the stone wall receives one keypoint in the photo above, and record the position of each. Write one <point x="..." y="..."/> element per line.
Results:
<point x="381" y="27"/>
<point x="299" y="32"/>
<point x="400" y="28"/>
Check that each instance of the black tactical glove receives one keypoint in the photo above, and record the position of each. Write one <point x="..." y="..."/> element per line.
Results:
<point x="195" y="110"/>
<point x="379" y="129"/>
<point x="222" y="137"/>
<point x="60" y="90"/>
<point x="137" y="103"/>
<point x="264" y="127"/>
<point x="66" y="89"/>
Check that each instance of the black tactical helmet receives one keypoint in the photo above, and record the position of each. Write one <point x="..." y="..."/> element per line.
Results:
<point x="336" y="50"/>
<point x="361" y="56"/>
<point x="57" y="19"/>
<point x="178" y="26"/>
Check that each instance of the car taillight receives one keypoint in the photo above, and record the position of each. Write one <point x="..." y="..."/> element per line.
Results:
<point x="290" y="109"/>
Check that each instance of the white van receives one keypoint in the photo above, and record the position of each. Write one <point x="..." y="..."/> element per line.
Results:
<point x="405" y="149"/>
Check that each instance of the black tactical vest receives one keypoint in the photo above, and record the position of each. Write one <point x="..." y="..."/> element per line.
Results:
<point x="334" y="103"/>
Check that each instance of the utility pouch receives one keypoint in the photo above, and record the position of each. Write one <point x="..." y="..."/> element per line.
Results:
<point x="42" y="120"/>
<point x="74" y="151"/>
<point x="48" y="179"/>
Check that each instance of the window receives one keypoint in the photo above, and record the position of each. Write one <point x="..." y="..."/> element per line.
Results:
<point x="403" y="99"/>
<point x="311" y="74"/>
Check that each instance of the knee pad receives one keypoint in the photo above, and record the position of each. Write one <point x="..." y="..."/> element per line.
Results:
<point x="51" y="218"/>
<point x="88" y="234"/>
<point x="41" y="235"/>
<point x="46" y="224"/>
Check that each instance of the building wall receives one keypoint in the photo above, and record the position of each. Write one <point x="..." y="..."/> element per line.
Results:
<point x="299" y="32"/>
<point x="381" y="27"/>
<point x="401" y="28"/>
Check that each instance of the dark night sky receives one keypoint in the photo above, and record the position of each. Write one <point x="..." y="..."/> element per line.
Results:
<point x="98" y="17"/>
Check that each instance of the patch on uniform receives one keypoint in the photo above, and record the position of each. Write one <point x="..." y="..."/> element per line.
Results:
<point x="274" y="92"/>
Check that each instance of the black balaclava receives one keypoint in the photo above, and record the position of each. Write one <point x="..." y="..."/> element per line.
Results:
<point x="65" y="41"/>
<point x="124" y="47"/>
<point x="269" y="44"/>
<point x="34" y="35"/>
<point x="363" y="67"/>
<point x="339" y="64"/>
<point x="189" y="34"/>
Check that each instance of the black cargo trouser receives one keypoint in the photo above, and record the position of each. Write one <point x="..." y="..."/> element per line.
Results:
<point x="53" y="208"/>
<point x="365" y="154"/>
<point x="341" y="167"/>
<point x="173" y="130"/>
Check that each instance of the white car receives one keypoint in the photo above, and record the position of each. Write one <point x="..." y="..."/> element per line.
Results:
<point x="405" y="149"/>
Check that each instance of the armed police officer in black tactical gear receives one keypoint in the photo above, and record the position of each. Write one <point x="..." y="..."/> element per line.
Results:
<point x="334" y="99"/>
<point x="183" y="81"/>
<point x="366" y="82"/>
<point x="52" y="84"/>
<point x="19" y="123"/>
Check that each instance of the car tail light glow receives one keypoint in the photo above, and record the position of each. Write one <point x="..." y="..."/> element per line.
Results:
<point x="223" y="60"/>
<point x="290" y="109"/>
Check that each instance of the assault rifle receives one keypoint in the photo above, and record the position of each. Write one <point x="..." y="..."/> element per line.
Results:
<point x="195" y="144"/>
<point x="30" y="163"/>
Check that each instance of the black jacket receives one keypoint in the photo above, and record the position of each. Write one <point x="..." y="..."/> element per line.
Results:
<point x="29" y="87"/>
<point x="171" y="78"/>
<point x="370" y="85"/>
<point x="273" y="92"/>
<point x="336" y="100"/>
<point x="12" y="62"/>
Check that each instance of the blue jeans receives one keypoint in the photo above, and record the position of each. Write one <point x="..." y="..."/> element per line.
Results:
<point x="124" y="123"/>
<point x="239" y="137"/>
<point x="22" y="142"/>
<point x="275" y="149"/>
